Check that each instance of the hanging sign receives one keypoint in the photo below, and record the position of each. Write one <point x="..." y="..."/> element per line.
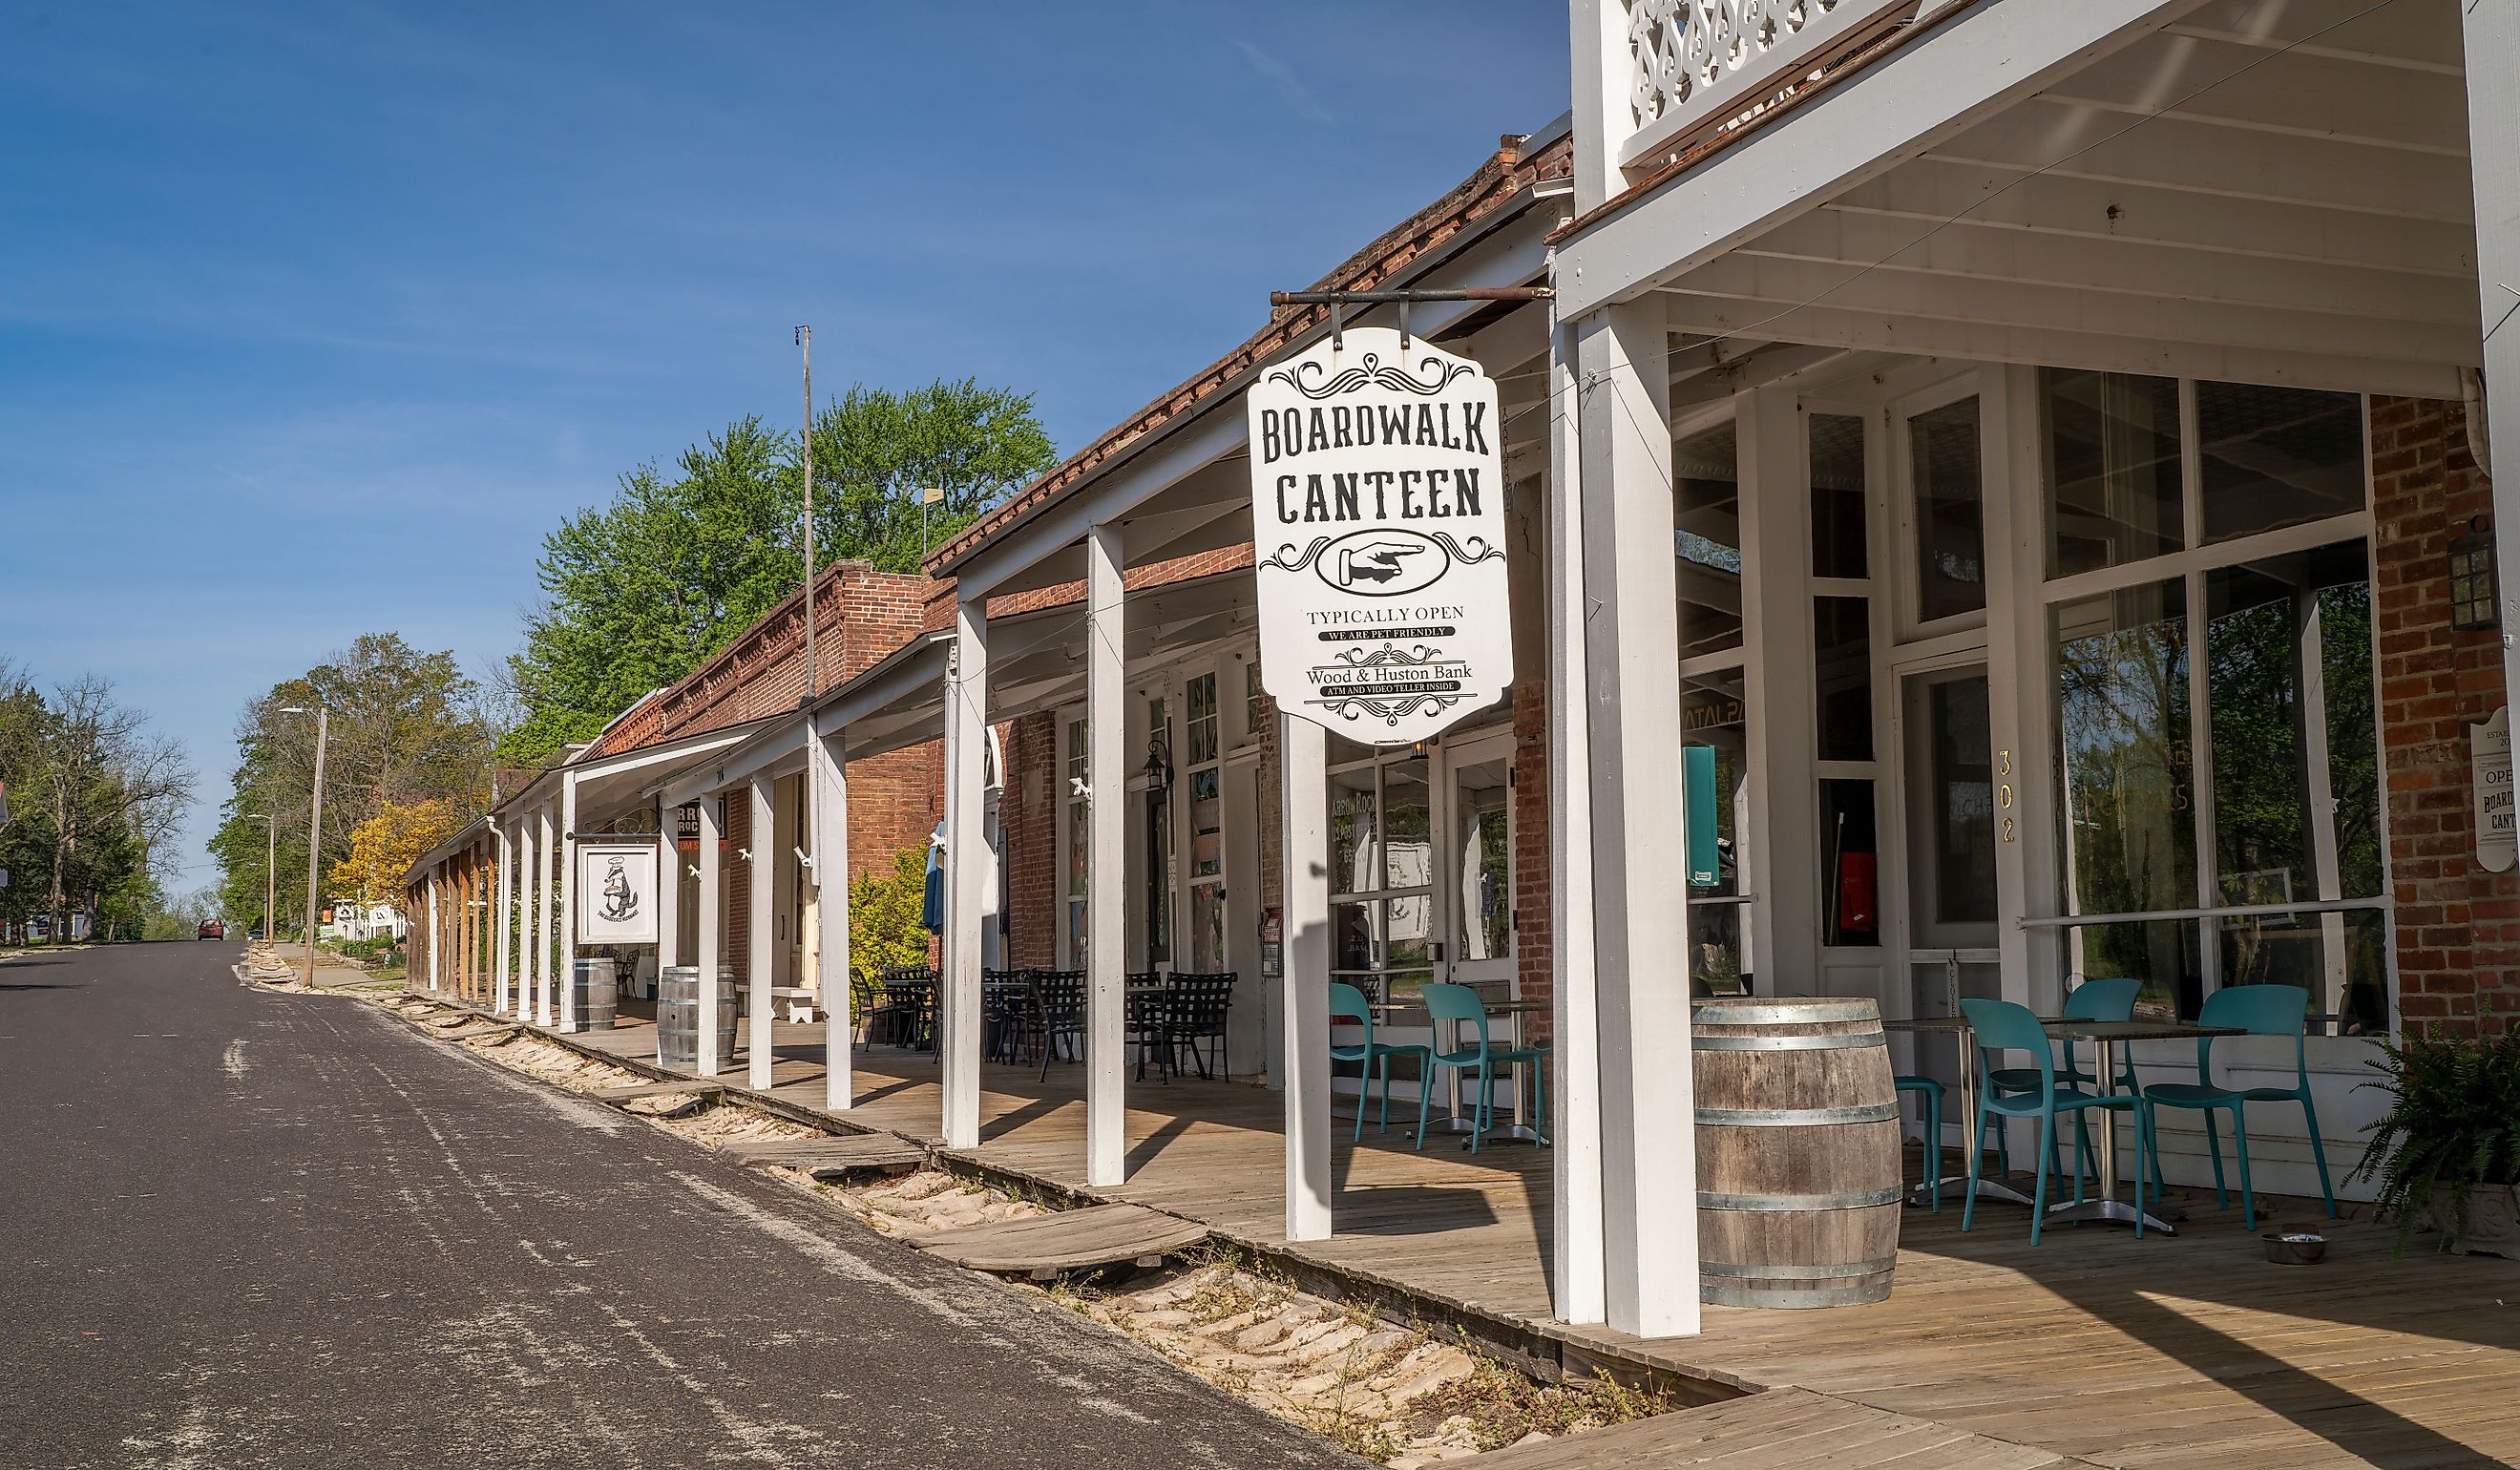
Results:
<point x="616" y="892"/>
<point x="1378" y="509"/>
<point x="2488" y="759"/>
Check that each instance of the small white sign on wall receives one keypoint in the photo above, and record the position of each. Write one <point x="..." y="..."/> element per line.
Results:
<point x="616" y="892"/>
<point x="1378" y="528"/>
<point x="2488" y="760"/>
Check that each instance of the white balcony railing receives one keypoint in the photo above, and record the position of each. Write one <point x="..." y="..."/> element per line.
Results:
<point x="1695" y="61"/>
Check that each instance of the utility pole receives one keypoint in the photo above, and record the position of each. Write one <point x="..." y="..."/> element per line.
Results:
<point x="813" y="670"/>
<point x="314" y="829"/>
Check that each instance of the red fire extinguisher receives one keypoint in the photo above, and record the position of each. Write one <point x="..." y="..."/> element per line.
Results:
<point x="1857" y="886"/>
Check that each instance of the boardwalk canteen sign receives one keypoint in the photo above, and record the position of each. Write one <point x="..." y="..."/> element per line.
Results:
<point x="1378" y="509"/>
<point x="617" y="888"/>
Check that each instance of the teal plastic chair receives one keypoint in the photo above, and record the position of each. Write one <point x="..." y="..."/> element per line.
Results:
<point x="1348" y="1005"/>
<point x="1932" y="1088"/>
<point x="2259" y="1011"/>
<point x="2111" y="999"/>
<point x="2001" y="1026"/>
<point x="1449" y="1005"/>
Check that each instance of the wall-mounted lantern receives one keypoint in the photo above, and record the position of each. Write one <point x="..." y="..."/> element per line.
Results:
<point x="1159" y="758"/>
<point x="2473" y="596"/>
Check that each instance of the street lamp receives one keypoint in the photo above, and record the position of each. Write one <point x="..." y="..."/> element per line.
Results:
<point x="270" y="877"/>
<point x="314" y="828"/>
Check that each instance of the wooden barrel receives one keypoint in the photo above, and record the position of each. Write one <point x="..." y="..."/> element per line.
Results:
<point x="1798" y="1165"/>
<point x="594" y="992"/>
<point x="678" y="1015"/>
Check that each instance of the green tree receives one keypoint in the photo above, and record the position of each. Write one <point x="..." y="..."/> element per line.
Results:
<point x="405" y="727"/>
<point x="92" y="793"/>
<point x="642" y="590"/>
<point x="885" y="908"/>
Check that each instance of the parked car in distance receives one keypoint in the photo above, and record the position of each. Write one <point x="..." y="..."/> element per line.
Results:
<point x="254" y="934"/>
<point x="213" y="929"/>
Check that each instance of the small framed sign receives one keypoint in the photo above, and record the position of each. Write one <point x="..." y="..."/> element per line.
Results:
<point x="616" y="892"/>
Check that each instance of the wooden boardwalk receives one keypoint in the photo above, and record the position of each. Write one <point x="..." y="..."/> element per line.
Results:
<point x="1047" y="1245"/>
<point x="2186" y="1351"/>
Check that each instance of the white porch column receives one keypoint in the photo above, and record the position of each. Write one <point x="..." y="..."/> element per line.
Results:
<point x="1303" y="764"/>
<point x="566" y="854"/>
<point x="529" y="913"/>
<point x="1106" y="944"/>
<point x="2492" y="43"/>
<point x="759" y="951"/>
<point x="1632" y="652"/>
<point x="1575" y="1097"/>
<point x="710" y="932"/>
<point x="966" y="873"/>
<point x="540" y="972"/>
<point x="503" y="916"/>
<point x="828" y="797"/>
<point x="437" y="936"/>
<point x="670" y="892"/>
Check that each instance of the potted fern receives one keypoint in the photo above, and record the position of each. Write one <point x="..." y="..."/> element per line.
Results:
<point x="2447" y="1154"/>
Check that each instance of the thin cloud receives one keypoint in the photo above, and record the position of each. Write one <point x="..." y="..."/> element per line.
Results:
<point x="1289" y="86"/>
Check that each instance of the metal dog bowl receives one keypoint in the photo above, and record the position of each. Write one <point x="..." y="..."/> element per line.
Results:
<point x="2295" y="1247"/>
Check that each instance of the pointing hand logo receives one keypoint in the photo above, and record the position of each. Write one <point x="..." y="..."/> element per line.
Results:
<point x="1373" y="561"/>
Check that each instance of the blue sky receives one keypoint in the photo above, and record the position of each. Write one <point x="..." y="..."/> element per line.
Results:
<point x="313" y="317"/>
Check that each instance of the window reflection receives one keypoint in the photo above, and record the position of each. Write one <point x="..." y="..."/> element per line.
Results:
<point x="1842" y="663"/>
<point x="1950" y="539"/>
<point x="1482" y="867"/>
<point x="1715" y="713"/>
<point x="1837" y="495"/>
<point x="1706" y="515"/>
<point x="2124" y="765"/>
<point x="2114" y="482"/>
<point x="2275" y="457"/>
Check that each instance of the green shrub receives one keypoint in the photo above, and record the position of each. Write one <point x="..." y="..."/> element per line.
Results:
<point x="884" y="930"/>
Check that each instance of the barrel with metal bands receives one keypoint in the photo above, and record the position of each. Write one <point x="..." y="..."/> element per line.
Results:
<point x="1798" y="1162"/>
<point x="678" y="1015"/>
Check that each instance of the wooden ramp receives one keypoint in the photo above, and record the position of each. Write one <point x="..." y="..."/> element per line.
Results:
<point x="825" y="1158"/>
<point x="476" y="1033"/>
<point x="1071" y="1240"/>
<point x="1779" y="1429"/>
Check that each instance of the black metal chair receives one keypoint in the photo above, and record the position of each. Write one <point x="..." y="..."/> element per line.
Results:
<point x="1202" y="1009"/>
<point x="911" y="994"/>
<point x="1148" y="1014"/>
<point x="1058" y="1007"/>
<point x="1006" y="1013"/>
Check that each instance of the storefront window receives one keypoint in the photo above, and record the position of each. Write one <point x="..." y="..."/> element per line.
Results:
<point x="2113" y="469"/>
<point x="1706" y="511"/>
<point x="1159" y="842"/>
<point x="1837" y="496"/>
<point x="2124" y="769"/>
<point x="1950" y="514"/>
<point x="2269" y="458"/>
<point x="1382" y="871"/>
<point x="1851" y="895"/>
<point x="1842" y="663"/>
<point x="1714" y="713"/>
<point x="1481" y="867"/>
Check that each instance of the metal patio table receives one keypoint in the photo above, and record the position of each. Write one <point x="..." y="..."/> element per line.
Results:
<point x="2106" y="1036"/>
<point x="1974" y="1139"/>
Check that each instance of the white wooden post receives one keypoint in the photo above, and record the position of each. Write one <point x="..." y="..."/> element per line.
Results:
<point x="1649" y="1138"/>
<point x="669" y="905"/>
<point x="1106" y="1105"/>
<point x="567" y="853"/>
<point x="529" y="871"/>
<point x="503" y="916"/>
<point x="759" y="1046"/>
<point x="966" y="873"/>
<point x="1575" y="1097"/>
<point x="710" y="930"/>
<point x="1303" y="763"/>
<point x="437" y="936"/>
<point x="827" y="767"/>
<point x="547" y="880"/>
<point x="2493" y="45"/>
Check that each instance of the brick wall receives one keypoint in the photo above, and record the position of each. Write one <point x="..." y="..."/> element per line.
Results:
<point x="2458" y="925"/>
<point x="1532" y="931"/>
<point x="1028" y="817"/>
<point x="895" y="800"/>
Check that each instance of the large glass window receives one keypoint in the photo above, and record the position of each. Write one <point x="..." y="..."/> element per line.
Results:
<point x="2122" y="750"/>
<point x="1951" y="511"/>
<point x="1382" y="870"/>
<point x="1158" y="799"/>
<point x="2270" y="458"/>
<point x="1206" y="776"/>
<point x="1706" y="515"/>
<point x="2218" y="745"/>
<point x="2113" y="469"/>
<point x="1837" y="496"/>
<point x="1078" y="885"/>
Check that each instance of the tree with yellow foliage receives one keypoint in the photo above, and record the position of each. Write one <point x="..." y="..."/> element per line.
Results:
<point x="384" y="847"/>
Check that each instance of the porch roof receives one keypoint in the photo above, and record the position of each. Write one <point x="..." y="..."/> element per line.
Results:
<point x="2243" y="190"/>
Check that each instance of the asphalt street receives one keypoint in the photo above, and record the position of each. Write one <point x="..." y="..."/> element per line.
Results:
<point x="240" y="1229"/>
